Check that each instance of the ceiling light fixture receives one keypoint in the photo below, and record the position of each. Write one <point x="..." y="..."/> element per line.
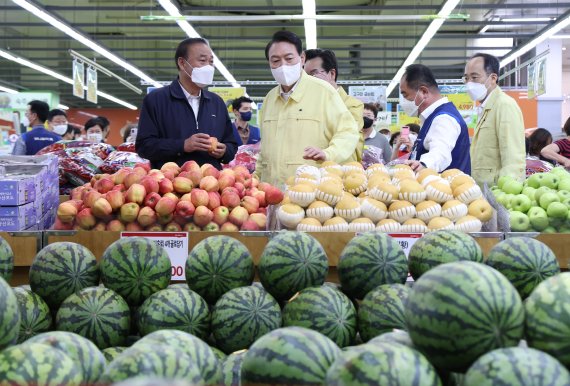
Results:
<point x="560" y="37"/>
<point x="24" y="62"/>
<point x="310" y="12"/>
<point x="429" y="33"/>
<point x="8" y="90"/>
<point x="529" y="19"/>
<point x="73" y="33"/>
<point x="545" y="33"/>
<point x="62" y="107"/>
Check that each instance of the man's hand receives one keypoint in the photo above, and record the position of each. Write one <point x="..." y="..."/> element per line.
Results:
<point x="415" y="165"/>
<point x="220" y="151"/>
<point x="314" y="153"/>
<point x="197" y="142"/>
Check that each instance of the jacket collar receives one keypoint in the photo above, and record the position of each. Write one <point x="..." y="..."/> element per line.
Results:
<point x="488" y="104"/>
<point x="177" y="92"/>
<point x="298" y="88"/>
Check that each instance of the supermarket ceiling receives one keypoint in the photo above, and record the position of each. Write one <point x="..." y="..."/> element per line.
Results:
<point x="372" y="49"/>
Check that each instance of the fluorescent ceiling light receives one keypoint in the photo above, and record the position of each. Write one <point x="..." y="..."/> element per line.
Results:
<point x="429" y="33"/>
<point x="523" y="19"/>
<point x="191" y="32"/>
<point x="543" y="35"/>
<point x="63" y="107"/>
<point x="309" y="12"/>
<point x="560" y="37"/>
<point x="8" y="90"/>
<point x="63" y="78"/>
<point x="73" y="33"/>
<point x="484" y="29"/>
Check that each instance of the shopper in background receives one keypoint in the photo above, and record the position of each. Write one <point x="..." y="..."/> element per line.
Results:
<point x="498" y="145"/>
<point x="29" y="143"/>
<point x="538" y="140"/>
<point x="106" y="126"/>
<point x="72" y="133"/>
<point x="57" y="121"/>
<point x="95" y="130"/>
<point x="303" y="119"/>
<point x="244" y="133"/>
<point x="559" y="151"/>
<point x="443" y="141"/>
<point x="177" y="121"/>
<point x="322" y="64"/>
<point x="402" y="145"/>
<point x="371" y="136"/>
<point x="127" y="130"/>
<point x="388" y="134"/>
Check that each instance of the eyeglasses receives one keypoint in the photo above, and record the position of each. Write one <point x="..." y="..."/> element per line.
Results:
<point x="474" y="78"/>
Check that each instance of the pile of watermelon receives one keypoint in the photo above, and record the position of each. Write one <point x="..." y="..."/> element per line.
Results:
<point x="120" y="320"/>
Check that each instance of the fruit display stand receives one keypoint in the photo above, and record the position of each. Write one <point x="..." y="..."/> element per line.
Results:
<point x="25" y="245"/>
<point x="558" y="242"/>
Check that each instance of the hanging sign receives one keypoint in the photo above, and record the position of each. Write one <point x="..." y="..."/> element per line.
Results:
<point x="369" y="94"/>
<point x="92" y="85"/>
<point x="78" y="79"/>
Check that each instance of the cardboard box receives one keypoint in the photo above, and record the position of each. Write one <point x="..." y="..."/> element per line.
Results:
<point x="48" y="219"/>
<point x="17" y="190"/>
<point x="15" y="218"/>
<point x="48" y="161"/>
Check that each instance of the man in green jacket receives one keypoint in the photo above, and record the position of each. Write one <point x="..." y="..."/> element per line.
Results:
<point x="498" y="146"/>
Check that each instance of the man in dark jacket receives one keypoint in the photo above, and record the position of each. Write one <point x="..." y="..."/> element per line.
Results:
<point x="177" y="121"/>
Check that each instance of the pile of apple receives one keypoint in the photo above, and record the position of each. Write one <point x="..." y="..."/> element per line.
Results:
<point x="174" y="198"/>
<point x="540" y="203"/>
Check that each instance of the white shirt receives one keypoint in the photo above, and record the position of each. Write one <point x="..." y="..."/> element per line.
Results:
<point x="441" y="138"/>
<point x="286" y="95"/>
<point x="193" y="101"/>
<point x="481" y="107"/>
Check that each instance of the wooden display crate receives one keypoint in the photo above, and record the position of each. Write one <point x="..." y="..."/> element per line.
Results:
<point x="25" y="246"/>
<point x="558" y="242"/>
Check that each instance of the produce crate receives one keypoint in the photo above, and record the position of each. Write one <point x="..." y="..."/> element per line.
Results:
<point x="25" y="246"/>
<point x="558" y="242"/>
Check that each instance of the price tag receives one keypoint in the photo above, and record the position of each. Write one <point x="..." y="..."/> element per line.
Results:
<point x="175" y="244"/>
<point x="406" y="240"/>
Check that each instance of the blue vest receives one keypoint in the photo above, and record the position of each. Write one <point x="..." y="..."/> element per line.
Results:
<point x="460" y="158"/>
<point x="38" y="138"/>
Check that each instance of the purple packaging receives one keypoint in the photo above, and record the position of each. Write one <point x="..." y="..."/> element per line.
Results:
<point x="17" y="190"/>
<point x="15" y="218"/>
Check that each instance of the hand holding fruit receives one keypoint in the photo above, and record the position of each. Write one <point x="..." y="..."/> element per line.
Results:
<point x="217" y="149"/>
<point x="197" y="142"/>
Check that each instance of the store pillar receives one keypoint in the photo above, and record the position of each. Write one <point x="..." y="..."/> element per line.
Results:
<point x="549" y="105"/>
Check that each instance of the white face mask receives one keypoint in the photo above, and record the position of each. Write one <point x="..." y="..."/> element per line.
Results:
<point x="410" y="107"/>
<point x="201" y="76"/>
<point x="95" y="137"/>
<point x="60" y="129"/>
<point x="287" y="75"/>
<point x="477" y="91"/>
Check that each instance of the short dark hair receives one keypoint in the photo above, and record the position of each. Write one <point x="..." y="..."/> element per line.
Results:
<point x="97" y="121"/>
<point x="566" y="127"/>
<point x="490" y="63"/>
<point x="384" y="131"/>
<point x="236" y="104"/>
<point x="327" y="56"/>
<point x="72" y="129"/>
<point x="284" y="36"/>
<point x="414" y="127"/>
<point x="40" y="108"/>
<point x="393" y="138"/>
<point x="538" y="140"/>
<point x="54" y="113"/>
<point x="418" y="75"/>
<point x="182" y="49"/>
<point x="372" y="107"/>
<point x="105" y="121"/>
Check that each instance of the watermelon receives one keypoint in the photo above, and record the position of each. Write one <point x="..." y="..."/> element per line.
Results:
<point x="98" y="314"/>
<point x="35" y="316"/>
<point x="199" y="352"/>
<point x="6" y="260"/>
<point x="83" y="352"/>
<point x="517" y="366"/>
<point x="289" y="356"/>
<point x="457" y="312"/>
<point x="369" y="260"/>
<point x="231" y="369"/>
<point x="218" y="264"/>
<point x="290" y="262"/>
<point x="135" y="268"/>
<point x="384" y="364"/>
<point x="220" y="355"/>
<point x="442" y="247"/>
<point x="158" y="360"/>
<point x="396" y="336"/>
<point x="323" y="309"/>
<point x="111" y="353"/>
<point x="177" y="309"/>
<point x="38" y="364"/>
<point x="524" y="261"/>
<point x="152" y="381"/>
<point x="548" y="317"/>
<point x="382" y="310"/>
<point x="9" y="316"/>
<point x="242" y="315"/>
<point x="61" y="269"/>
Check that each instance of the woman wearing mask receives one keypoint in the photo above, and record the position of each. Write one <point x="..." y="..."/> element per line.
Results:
<point x="371" y="136"/>
<point x="95" y="130"/>
<point x="402" y="146"/>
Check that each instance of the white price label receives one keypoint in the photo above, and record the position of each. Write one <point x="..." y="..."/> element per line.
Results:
<point x="406" y="240"/>
<point x="175" y="244"/>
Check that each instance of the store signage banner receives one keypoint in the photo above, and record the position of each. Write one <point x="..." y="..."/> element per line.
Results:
<point x="175" y="244"/>
<point x="531" y="79"/>
<point x="78" y="79"/>
<point x="369" y="94"/>
<point x="536" y="78"/>
<point x="20" y="101"/>
<point x="228" y="94"/>
<point x="92" y="85"/>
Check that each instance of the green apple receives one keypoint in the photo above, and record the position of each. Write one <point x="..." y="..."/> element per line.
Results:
<point x="504" y="179"/>
<point x="508" y="200"/>
<point x="547" y="198"/>
<point x="512" y="187"/>
<point x="564" y="184"/>
<point x="540" y="191"/>
<point x="550" y="180"/>
<point x="521" y="203"/>
<point x="556" y="222"/>
<point x="563" y="194"/>
<point x="538" y="218"/>
<point x="535" y="181"/>
<point x="502" y="199"/>
<point x="529" y="192"/>
<point x="534" y="203"/>
<point x="557" y="210"/>
<point x="560" y="172"/>
<point x="566" y="202"/>
<point x="519" y="221"/>
<point x="549" y="229"/>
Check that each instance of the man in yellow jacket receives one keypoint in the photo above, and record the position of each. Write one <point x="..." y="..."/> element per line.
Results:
<point x="498" y="145"/>
<point x="303" y="120"/>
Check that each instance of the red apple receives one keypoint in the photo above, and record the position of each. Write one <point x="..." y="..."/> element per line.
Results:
<point x="91" y="197"/>
<point x="140" y="171"/>
<point x="254" y="182"/>
<point x="172" y="227"/>
<point x="238" y="215"/>
<point x="262" y="210"/>
<point x="136" y="193"/>
<point x="101" y="208"/>
<point x="209" y="184"/>
<point x="134" y="227"/>
<point x="144" y="165"/>
<point x="226" y="180"/>
<point x="168" y="174"/>
<point x="214" y="200"/>
<point x="129" y="212"/>
<point x="85" y="219"/>
<point x="210" y="171"/>
<point x="230" y="199"/>
<point x="165" y="219"/>
<point x="250" y="203"/>
<point x="132" y="178"/>
<point x="184" y="209"/>
<point x="229" y="227"/>
<point x="165" y="206"/>
<point x="273" y="196"/>
<point x="221" y="214"/>
<point x="66" y="212"/>
<point x="249" y="225"/>
<point x="260" y="197"/>
<point x="186" y="197"/>
<point x="240" y="188"/>
<point x="120" y="188"/>
<point x="195" y="176"/>
<point x="115" y="226"/>
<point x="100" y="226"/>
<point x="172" y="196"/>
<point x="260" y="219"/>
<point x="115" y="198"/>
<point x="202" y="216"/>
<point x="62" y="226"/>
<point x="165" y="186"/>
<point x="190" y="165"/>
<point x="156" y="174"/>
<point x="147" y="216"/>
<point x="151" y="199"/>
<point x="150" y="184"/>
<point x="185" y="175"/>
<point x="211" y="227"/>
<point x="199" y="197"/>
<point x="77" y="193"/>
<point x="191" y="227"/>
<point x="264" y="185"/>
<point x="104" y="185"/>
<point x="171" y="167"/>
<point x="154" y="228"/>
<point x="119" y="176"/>
<point x="182" y="185"/>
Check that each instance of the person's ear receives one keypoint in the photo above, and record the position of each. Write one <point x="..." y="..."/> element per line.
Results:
<point x="333" y="74"/>
<point x="303" y="59"/>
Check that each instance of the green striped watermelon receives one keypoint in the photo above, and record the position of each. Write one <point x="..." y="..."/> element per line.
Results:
<point x="135" y="268"/>
<point x="175" y="309"/>
<point x="382" y="310"/>
<point x="38" y="364"/>
<point x="220" y="355"/>
<point x="290" y="262"/>
<point x="111" y="353"/>
<point x="98" y="314"/>
<point x="6" y="260"/>
<point x="83" y="352"/>
<point x="289" y="356"/>
<point x="216" y="265"/>
<point x="9" y="316"/>
<point x="396" y="336"/>
<point x="442" y="247"/>
<point x="457" y="312"/>
<point x="35" y="316"/>
<point x="242" y="315"/>
<point x="369" y="260"/>
<point x="158" y="360"/>
<point x="517" y="366"/>
<point x="231" y="369"/>
<point x="524" y="261"/>
<point x="200" y="353"/>
<point x="153" y="381"/>
<point x="548" y="317"/>
<point x="323" y="309"/>
<point x="382" y="364"/>
<point x="61" y="269"/>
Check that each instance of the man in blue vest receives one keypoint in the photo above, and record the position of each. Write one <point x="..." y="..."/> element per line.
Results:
<point x="33" y="141"/>
<point x="443" y="141"/>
